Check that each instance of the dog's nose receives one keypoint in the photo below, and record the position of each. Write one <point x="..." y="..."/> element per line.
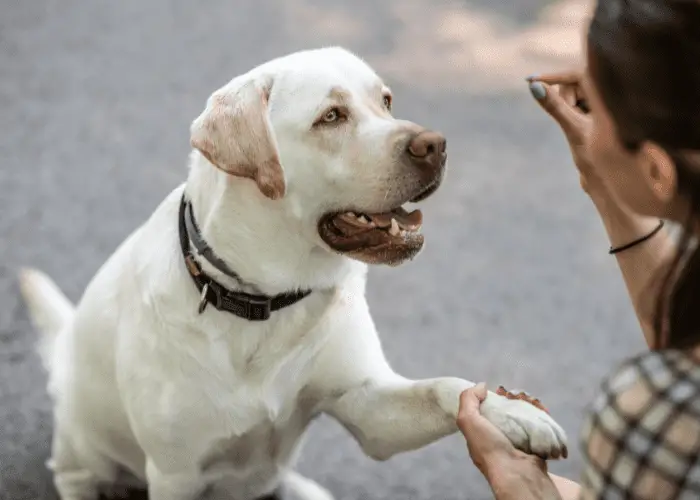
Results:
<point x="428" y="149"/>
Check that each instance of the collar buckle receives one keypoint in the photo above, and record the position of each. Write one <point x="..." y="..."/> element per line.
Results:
<point x="258" y="308"/>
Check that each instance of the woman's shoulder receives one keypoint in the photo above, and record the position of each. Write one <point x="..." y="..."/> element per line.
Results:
<point x="651" y="397"/>
<point x="660" y="383"/>
<point x="669" y="374"/>
<point x="643" y="428"/>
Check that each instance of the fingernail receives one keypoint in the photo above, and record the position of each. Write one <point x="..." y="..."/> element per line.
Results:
<point x="530" y="78"/>
<point x="538" y="91"/>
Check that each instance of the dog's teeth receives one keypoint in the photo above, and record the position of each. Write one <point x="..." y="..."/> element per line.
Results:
<point x="349" y="214"/>
<point x="363" y="219"/>
<point x="394" y="230"/>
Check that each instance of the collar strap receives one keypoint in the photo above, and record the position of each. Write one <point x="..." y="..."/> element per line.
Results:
<point x="203" y="249"/>
<point x="244" y="305"/>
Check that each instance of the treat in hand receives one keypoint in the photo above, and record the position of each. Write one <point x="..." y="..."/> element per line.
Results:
<point x="523" y="396"/>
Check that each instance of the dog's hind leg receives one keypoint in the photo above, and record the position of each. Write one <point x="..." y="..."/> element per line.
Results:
<point x="299" y="487"/>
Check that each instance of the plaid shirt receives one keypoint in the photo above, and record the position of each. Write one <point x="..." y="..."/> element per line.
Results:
<point x="641" y="439"/>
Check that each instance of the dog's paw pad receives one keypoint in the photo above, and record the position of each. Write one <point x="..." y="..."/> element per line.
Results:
<point x="522" y="396"/>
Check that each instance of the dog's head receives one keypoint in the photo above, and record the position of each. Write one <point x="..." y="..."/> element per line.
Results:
<point x="314" y="132"/>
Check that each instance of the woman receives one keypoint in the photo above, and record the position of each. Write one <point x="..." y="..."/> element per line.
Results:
<point x="632" y="120"/>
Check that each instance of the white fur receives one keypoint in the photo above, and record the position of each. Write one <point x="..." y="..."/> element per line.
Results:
<point x="143" y="384"/>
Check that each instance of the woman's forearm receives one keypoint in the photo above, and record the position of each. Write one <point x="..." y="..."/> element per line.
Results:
<point x="525" y="486"/>
<point x="641" y="266"/>
<point x="522" y="479"/>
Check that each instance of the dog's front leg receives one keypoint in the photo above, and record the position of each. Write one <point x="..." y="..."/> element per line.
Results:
<point x="396" y="415"/>
<point x="174" y="434"/>
<point x="179" y="485"/>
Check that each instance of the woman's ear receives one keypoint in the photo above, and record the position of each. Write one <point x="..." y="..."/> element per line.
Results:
<point x="659" y="171"/>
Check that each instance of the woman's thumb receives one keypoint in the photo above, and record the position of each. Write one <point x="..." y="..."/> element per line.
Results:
<point x="479" y="391"/>
<point x="470" y="401"/>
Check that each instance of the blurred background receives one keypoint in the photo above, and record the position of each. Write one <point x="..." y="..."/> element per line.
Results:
<point x="514" y="286"/>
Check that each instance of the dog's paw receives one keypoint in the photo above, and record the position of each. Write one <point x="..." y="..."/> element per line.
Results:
<point x="529" y="428"/>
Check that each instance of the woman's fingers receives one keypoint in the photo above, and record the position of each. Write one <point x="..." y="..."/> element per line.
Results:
<point x="568" y="93"/>
<point x="569" y="119"/>
<point x="563" y="77"/>
<point x="574" y="97"/>
<point x="568" y="82"/>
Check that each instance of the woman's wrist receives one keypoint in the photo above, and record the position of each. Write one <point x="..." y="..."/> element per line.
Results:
<point x="499" y="466"/>
<point x="519" y="476"/>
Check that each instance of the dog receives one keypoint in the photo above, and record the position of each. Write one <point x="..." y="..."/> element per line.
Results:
<point x="218" y="330"/>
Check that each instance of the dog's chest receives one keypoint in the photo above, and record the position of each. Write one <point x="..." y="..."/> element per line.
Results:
<point x="259" y="390"/>
<point x="251" y="462"/>
<point x="267" y="442"/>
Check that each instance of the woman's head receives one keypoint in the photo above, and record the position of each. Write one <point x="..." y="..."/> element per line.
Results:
<point x="644" y="77"/>
<point x="643" y="82"/>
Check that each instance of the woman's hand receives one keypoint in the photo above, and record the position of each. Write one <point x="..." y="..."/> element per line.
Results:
<point x="488" y="447"/>
<point x="512" y="474"/>
<point x="563" y="97"/>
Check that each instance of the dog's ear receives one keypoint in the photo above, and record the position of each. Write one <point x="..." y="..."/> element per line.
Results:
<point x="234" y="134"/>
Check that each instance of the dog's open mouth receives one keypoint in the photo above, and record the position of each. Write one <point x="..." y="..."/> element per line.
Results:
<point x="376" y="238"/>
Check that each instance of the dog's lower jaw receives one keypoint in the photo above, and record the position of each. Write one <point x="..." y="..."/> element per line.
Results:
<point x="387" y="258"/>
<point x="374" y="247"/>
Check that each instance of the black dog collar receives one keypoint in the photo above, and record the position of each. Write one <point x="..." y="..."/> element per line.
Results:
<point x="244" y="305"/>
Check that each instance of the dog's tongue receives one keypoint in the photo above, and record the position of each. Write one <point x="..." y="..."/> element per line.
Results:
<point x="407" y="220"/>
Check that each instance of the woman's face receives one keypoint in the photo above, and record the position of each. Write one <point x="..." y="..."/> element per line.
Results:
<point x="643" y="179"/>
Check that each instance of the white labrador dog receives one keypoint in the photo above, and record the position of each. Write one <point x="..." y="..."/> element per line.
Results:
<point x="167" y="373"/>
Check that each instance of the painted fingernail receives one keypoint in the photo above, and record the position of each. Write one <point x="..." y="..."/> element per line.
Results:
<point x="530" y="78"/>
<point x="538" y="91"/>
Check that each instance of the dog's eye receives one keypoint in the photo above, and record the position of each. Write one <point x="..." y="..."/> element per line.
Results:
<point x="387" y="102"/>
<point x="332" y="116"/>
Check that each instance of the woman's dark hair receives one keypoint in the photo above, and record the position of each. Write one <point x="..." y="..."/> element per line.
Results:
<point x="644" y="58"/>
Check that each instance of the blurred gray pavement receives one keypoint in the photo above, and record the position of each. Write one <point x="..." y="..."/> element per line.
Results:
<point x="514" y="287"/>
